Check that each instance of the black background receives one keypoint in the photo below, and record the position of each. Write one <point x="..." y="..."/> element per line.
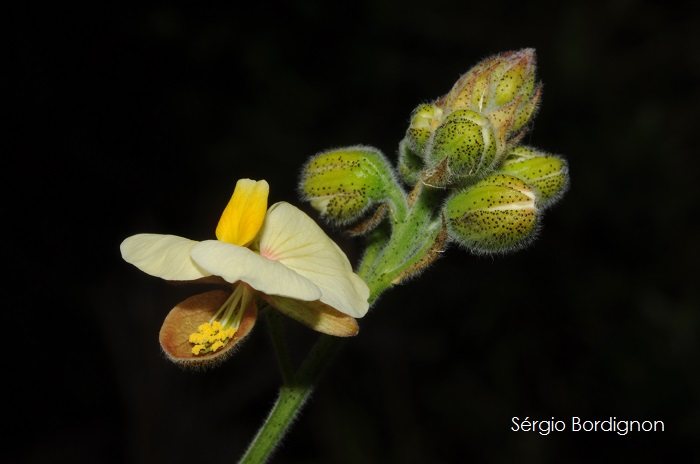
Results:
<point x="141" y="119"/>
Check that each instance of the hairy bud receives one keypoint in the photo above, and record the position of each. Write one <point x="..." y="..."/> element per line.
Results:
<point x="547" y="174"/>
<point x="495" y="215"/>
<point x="463" y="145"/>
<point x="424" y="121"/>
<point x="410" y="165"/>
<point x="342" y="184"/>
<point x="502" y="88"/>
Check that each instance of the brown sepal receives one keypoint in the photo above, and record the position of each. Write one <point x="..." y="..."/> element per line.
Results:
<point x="368" y="224"/>
<point x="415" y="193"/>
<point x="437" y="176"/>
<point x="315" y="315"/>
<point x="187" y="316"/>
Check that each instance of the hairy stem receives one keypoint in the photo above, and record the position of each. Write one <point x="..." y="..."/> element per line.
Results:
<point x="291" y="398"/>
<point x="279" y="344"/>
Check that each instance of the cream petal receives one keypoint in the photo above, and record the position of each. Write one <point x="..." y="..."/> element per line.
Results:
<point x="292" y="238"/>
<point x="234" y="263"/>
<point x="164" y="256"/>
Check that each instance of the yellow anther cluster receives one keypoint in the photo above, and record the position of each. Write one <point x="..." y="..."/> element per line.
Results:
<point x="210" y="337"/>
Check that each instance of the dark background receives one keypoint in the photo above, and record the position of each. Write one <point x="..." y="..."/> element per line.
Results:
<point x="141" y="119"/>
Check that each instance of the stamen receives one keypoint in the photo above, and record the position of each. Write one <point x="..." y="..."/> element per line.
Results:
<point x="215" y="334"/>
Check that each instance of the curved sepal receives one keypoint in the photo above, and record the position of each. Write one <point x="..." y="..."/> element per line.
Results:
<point x="187" y="316"/>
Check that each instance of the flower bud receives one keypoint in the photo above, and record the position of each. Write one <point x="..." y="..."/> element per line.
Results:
<point x="463" y="145"/>
<point x="547" y="174"/>
<point x="343" y="184"/>
<point x="424" y="120"/>
<point x="495" y="215"/>
<point x="502" y="88"/>
<point x="410" y="165"/>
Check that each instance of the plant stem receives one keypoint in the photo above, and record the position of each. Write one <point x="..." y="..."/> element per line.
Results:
<point x="280" y="346"/>
<point x="291" y="398"/>
<point x="411" y="239"/>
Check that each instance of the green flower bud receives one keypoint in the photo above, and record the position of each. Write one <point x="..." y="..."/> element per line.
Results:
<point x="462" y="146"/>
<point x="342" y="184"/>
<point x="410" y="165"/>
<point x="424" y="121"/>
<point x="502" y="88"/>
<point x="495" y="215"/>
<point x="547" y="174"/>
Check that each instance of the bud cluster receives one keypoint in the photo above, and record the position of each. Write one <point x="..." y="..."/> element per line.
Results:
<point x="467" y="142"/>
<point x="465" y="147"/>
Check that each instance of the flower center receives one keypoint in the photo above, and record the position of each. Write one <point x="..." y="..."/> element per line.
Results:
<point x="215" y="334"/>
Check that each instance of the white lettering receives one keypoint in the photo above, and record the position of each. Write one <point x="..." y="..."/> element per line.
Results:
<point x="543" y="427"/>
<point x="515" y="426"/>
<point x="575" y="424"/>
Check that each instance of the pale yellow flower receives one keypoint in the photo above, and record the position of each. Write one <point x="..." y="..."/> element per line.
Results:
<point x="277" y="255"/>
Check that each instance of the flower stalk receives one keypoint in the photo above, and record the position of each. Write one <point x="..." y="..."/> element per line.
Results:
<point x="290" y="400"/>
<point x="274" y="325"/>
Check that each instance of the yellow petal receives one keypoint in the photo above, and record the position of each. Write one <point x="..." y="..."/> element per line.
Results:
<point x="244" y="214"/>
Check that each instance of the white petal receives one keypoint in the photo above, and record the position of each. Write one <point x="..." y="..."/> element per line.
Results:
<point x="295" y="240"/>
<point x="234" y="263"/>
<point x="164" y="256"/>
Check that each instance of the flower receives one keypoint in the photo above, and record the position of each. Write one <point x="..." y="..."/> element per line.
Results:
<point x="279" y="256"/>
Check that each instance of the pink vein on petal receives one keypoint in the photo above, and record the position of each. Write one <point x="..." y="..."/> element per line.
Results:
<point x="269" y="254"/>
